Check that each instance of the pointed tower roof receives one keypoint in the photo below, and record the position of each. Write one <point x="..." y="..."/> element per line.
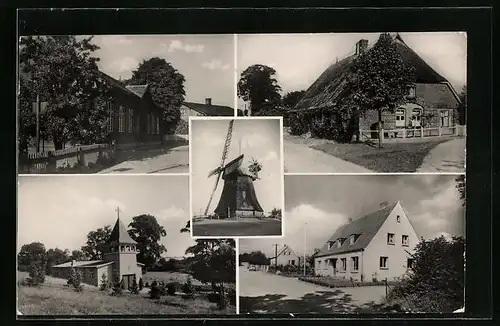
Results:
<point x="120" y="234"/>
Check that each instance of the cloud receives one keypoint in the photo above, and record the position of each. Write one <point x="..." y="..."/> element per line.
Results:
<point x="172" y="213"/>
<point x="215" y="64"/>
<point x="177" y="45"/>
<point x="254" y="140"/>
<point x="446" y="235"/>
<point x="126" y="64"/>
<point x="270" y="156"/>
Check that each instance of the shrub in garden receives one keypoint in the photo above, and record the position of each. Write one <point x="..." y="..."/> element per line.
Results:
<point x="222" y="302"/>
<point x="104" y="283"/>
<point x="171" y="288"/>
<point x="298" y="125"/>
<point x="154" y="293"/>
<point x="141" y="284"/>
<point x="36" y="274"/>
<point x="75" y="279"/>
<point x="117" y="287"/>
<point x="188" y="288"/>
<point x="134" y="289"/>
<point x="231" y="294"/>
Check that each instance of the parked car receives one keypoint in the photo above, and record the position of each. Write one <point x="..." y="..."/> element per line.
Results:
<point x="252" y="268"/>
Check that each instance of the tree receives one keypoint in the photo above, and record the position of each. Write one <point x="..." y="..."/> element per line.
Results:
<point x="379" y="81"/>
<point x="461" y="187"/>
<point x="291" y="99"/>
<point x="32" y="253"/>
<point x="75" y="278"/>
<point x="187" y="228"/>
<point x="275" y="213"/>
<point x="257" y="258"/>
<point x="213" y="261"/>
<point x="259" y="86"/>
<point x="146" y="231"/>
<point x="310" y="258"/>
<point x="95" y="243"/>
<point x="166" y="86"/>
<point x="255" y="167"/>
<point x="54" y="257"/>
<point x="63" y="71"/>
<point x="462" y="109"/>
<point x="78" y="255"/>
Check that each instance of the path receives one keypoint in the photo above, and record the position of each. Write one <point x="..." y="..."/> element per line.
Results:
<point x="173" y="160"/>
<point x="300" y="158"/>
<point x="266" y="292"/>
<point x="445" y="157"/>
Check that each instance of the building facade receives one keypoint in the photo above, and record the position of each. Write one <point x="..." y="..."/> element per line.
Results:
<point x="119" y="261"/>
<point x="374" y="247"/>
<point x="285" y="257"/>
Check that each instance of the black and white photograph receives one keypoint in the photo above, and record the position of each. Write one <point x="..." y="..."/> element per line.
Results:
<point x="236" y="176"/>
<point x="117" y="245"/>
<point x="361" y="244"/>
<point x="118" y="103"/>
<point x="360" y="102"/>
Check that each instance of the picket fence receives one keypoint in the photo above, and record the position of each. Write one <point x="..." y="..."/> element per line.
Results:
<point x="414" y="133"/>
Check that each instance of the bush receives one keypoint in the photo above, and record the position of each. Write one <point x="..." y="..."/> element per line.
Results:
<point x="171" y="288"/>
<point x="181" y="128"/>
<point x="117" y="287"/>
<point x="154" y="293"/>
<point x="104" y="286"/>
<point x="298" y="125"/>
<point x="188" y="288"/>
<point x="222" y="303"/>
<point x="75" y="279"/>
<point x="231" y="293"/>
<point x="134" y="289"/>
<point x="436" y="281"/>
<point x="141" y="284"/>
<point x="36" y="274"/>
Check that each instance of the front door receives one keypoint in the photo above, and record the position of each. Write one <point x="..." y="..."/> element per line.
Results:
<point x="128" y="281"/>
<point x="334" y="265"/>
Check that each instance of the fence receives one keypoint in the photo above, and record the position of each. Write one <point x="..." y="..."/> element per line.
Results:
<point x="54" y="161"/>
<point x="406" y="133"/>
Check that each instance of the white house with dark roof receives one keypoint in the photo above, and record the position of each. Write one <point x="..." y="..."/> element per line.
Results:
<point x="119" y="261"/>
<point x="286" y="256"/>
<point x="376" y="246"/>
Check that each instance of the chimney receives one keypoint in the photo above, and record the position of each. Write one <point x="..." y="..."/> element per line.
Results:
<point x="73" y="263"/>
<point x="383" y="204"/>
<point x="349" y="220"/>
<point x="361" y="46"/>
<point x="208" y="101"/>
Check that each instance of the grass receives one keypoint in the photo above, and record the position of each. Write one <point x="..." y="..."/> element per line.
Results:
<point x="392" y="157"/>
<point x="53" y="298"/>
<point x="236" y="228"/>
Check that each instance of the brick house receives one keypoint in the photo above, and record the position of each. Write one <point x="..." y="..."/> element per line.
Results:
<point x="431" y="102"/>
<point x="376" y="246"/>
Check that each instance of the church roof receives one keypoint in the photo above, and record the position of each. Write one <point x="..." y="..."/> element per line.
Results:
<point x="365" y="227"/>
<point x="332" y="83"/>
<point x="120" y="234"/>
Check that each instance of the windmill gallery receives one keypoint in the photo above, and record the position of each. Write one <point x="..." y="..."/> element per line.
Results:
<point x="238" y="208"/>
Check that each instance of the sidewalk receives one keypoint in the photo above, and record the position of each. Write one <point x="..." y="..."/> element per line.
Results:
<point x="445" y="157"/>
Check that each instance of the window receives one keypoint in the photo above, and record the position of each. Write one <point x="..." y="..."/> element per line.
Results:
<point x="344" y="264"/>
<point x="355" y="264"/>
<point x="411" y="91"/>
<point x="400" y="118"/>
<point x="409" y="263"/>
<point x="121" y="119"/>
<point x="390" y="238"/>
<point x="158" y="125"/>
<point x="330" y="244"/>
<point x="293" y="262"/>
<point x="416" y="117"/>
<point x="383" y="262"/>
<point x="445" y="118"/>
<point x="353" y="238"/>
<point x="130" y="120"/>
<point x="404" y="240"/>
<point x="110" y="116"/>
<point x="340" y="242"/>
<point x="398" y="219"/>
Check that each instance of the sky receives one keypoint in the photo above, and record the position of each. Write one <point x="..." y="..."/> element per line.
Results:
<point x="432" y="203"/>
<point x="299" y="59"/>
<point x="260" y="139"/>
<point x="60" y="211"/>
<point x="206" y="61"/>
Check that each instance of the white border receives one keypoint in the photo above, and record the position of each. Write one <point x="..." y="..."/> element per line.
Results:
<point x="281" y="171"/>
<point x="235" y="82"/>
<point x="237" y="269"/>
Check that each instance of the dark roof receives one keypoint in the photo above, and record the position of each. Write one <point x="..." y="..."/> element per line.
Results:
<point x="210" y="110"/>
<point x="84" y="263"/>
<point x="138" y="90"/>
<point x="366" y="227"/>
<point x="283" y="250"/>
<point x="120" y="234"/>
<point x="329" y="86"/>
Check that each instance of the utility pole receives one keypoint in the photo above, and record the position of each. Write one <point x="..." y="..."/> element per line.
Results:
<point x="276" y="255"/>
<point x="37" y="109"/>
<point x="305" y="247"/>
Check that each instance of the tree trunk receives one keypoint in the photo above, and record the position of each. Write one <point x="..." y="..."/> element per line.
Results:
<point x="380" y="132"/>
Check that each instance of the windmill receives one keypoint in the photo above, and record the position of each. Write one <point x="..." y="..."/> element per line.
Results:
<point x="238" y="198"/>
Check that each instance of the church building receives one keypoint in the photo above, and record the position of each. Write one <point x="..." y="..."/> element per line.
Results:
<point x="119" y="261"/>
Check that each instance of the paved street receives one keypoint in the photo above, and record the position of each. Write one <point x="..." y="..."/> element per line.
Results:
<point x="445" y="157"/>
<point x="300" y="158"/>
<point x="171" y="160"/>
<point x="264" y="292"/>
<point x="242" y="227"/>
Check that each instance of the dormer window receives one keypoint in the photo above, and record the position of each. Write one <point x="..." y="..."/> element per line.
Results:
<point x="398" y="219"/>
<point x="353" y="238"/>
<point x="330" y="244"/>
<point x="340" y="242"/>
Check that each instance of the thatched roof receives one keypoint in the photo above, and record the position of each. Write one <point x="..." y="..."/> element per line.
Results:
<point x="328" y="88"/>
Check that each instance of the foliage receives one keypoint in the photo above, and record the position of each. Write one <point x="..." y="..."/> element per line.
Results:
<point x="379" y="80"/>
<point x="254" y="258"/>
<point x="291" y="99"/>
<point x="255" y="167"/>
<point x="259" y="87"/>
<point x="146" y="231"/>
<point x="77" y="255"/>
<point x="75" y="278"/>
<point x="104" y="283"/>
<point x="188" y="288"/>
<point x="55" y="257"/>
<point x="154" y="293"/>
<point x="187" y="228"/>
<point x="63" y="71"/>
<point x="134" y="289"/>
<point x="36" y="274"/>
<point x="310" y="258"/>
<point x="437" y="275"/>
<point x="275" y="213"/>
<point x="96" y="241"/>
<point x="31" y="253"/>
<point x="461" y="188"/>
<point x="141" y="284"/>
<point x="117" y="288"/>
<point x="462" y="109"/>
<point x="166" y="86"/>
<point x="182" y="128"/>
<point x="171" y="288"/>
<point x="298" y="124"/>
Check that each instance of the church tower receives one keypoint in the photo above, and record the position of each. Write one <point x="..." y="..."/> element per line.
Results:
<point x="122" y="250"/>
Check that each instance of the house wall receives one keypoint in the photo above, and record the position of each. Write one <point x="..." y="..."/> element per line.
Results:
<point x="397" y="253"/>
<point x="323" y="266"/>
<point x="187" y="112"/>
<point x="90" y="275"/>
<point x="286" y="257"/>
<point x="105" y="270"/>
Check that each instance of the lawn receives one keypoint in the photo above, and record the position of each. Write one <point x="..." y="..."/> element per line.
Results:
<point x="237" y="228"/>
<point x="392" y="157"/>
<point x="53" y="298"/>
